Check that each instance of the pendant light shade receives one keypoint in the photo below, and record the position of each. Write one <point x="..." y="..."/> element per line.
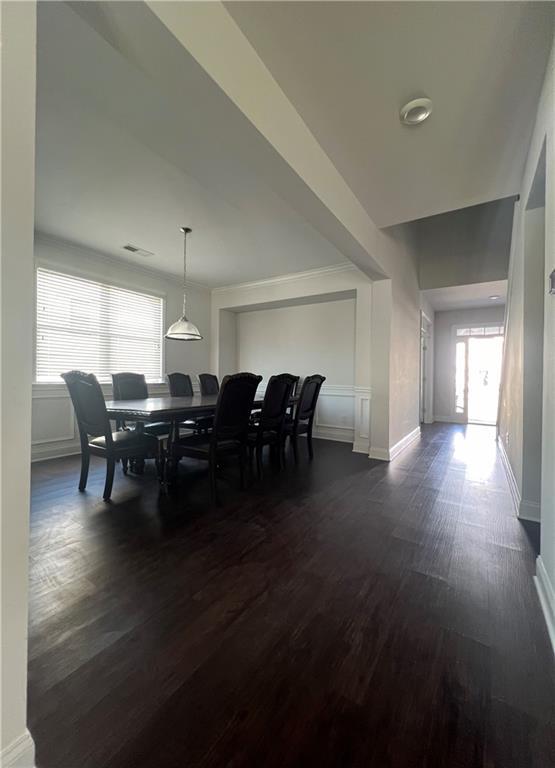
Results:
<point x="183" y="329"/>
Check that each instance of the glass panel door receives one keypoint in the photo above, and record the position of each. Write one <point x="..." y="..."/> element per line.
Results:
<point x="460" y="378"/>
<point x="484" y="376"/>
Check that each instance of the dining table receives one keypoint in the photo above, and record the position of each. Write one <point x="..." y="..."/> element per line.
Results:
<point x="167" y="408"/>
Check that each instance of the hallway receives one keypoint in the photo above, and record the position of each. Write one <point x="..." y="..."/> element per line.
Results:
<point x="343" y="613"/>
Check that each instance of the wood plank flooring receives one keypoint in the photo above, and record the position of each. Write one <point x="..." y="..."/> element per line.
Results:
<point x="341" y="613"/>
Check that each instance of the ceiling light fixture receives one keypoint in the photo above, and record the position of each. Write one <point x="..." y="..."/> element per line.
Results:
<point x="416" y="111"/>
<point x="183" y="329"/>
<point x="494" y="297"/>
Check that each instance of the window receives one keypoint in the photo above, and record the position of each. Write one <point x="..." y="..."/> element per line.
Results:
<point x="96" y="328"/>
<point x="487" y="330"/>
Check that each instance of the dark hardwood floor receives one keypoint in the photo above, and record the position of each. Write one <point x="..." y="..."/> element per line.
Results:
<point x="341" y="613"/>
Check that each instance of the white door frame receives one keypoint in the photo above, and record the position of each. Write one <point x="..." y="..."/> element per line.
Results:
<point x="462" y="418"/>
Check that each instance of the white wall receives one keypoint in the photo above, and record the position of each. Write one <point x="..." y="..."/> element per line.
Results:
<point x="396" y="346"/>
<point x="304" y="339"/>
<point x="428" y="320"/>
<point x="54" y="428"/>
<point x="444" y="357"/>
<point x="532" y="368"/>
<point x="308" y="297"/>
<point x="511" y="415"/>
<point x="17" y="72"/>
<point x="467" y="246"/>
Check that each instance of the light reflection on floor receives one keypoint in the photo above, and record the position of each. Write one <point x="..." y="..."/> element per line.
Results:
<point x="476" y="449"/>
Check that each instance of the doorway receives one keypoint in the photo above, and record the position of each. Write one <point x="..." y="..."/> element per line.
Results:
<point x="426" y="359"/>
<point x="478" y="361"/>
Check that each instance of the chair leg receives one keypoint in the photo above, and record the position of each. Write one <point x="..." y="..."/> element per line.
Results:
<point x="85" y="460"/>
<point x="110" y="467"/>
<point x="242" y="463"/>
<point x="282" y="454"/>
<point x="293" y="439"/>
<point x="309" y="443"/>
<point x="213" y="482"/>
<point x="124" y="465"/>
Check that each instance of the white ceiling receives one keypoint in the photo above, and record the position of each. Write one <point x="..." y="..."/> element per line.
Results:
<point x="119" y="161"/>
<point x="349" y="67"/>
<point x="467" y="296"/>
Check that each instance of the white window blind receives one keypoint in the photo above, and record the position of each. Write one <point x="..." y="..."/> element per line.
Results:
<point x="97" y="328"/>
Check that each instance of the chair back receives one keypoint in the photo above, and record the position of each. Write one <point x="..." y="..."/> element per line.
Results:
<point x="309" y="397"/>
<point x="234" y="406"/>
<point x="129" y="386"/>
<point x="89" y="404"/>
<point x="180" y="385"/>
<point x="276" y="401"/>
<point x="208" y="384"/>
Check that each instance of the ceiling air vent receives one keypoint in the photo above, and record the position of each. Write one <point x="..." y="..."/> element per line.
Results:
<point x="137" y="250"/>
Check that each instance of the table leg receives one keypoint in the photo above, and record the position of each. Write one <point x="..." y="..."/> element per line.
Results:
<point x="167" y="464"/>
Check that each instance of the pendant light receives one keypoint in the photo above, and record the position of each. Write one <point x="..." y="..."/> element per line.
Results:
<point x="183" y="329"/>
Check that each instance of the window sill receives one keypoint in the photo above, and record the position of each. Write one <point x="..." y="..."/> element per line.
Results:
<point x="59" y="389"/>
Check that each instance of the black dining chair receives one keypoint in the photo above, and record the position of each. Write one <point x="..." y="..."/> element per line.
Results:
<point x="229" y="433"/>
<point x="133" y="386"/>
<point x="268" y="425"/>
<point x="302" y="421"/>
<point x="208" y="384"/>
<point x="96" y="433"/>
<point x="181" y="386"/>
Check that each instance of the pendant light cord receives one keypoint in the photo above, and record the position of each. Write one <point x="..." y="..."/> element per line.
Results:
<point x="185" y="231"/>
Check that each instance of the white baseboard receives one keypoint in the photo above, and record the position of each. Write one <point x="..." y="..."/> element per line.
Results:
<point x="20" y="753"/>
<point x="388" y="454"/>
<point x="525" y="509"/>
<point x="378" y="453"/>
<point x="51" y="452"/>
<point x="529" y="510"/>
<point x="361" y="446"/>
<point x="511" y="479"/>
<point x="445" y="419"/>
<point x="339" y="434"/>
<point x="546" y="594"/>
<point x="404" y="442"/>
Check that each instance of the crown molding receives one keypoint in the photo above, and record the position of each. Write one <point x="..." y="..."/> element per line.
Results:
<point x="85" y="250"/>
<point x="291" y="277"/>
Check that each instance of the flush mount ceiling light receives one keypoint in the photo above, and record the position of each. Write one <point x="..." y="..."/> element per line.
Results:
<point x="183" y="329"/>
<point x="494" y="298"/>
<point x="416" y="111"/>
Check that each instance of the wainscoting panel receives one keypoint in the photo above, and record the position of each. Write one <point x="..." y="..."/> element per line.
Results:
<point x="54" y="429"/>
<point x="335" y="414"/>
<point x="343" y="414"/>
<point x="362" y="420"/>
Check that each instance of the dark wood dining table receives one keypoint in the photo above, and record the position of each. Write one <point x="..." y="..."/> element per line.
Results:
<point x="163" y="408"/>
